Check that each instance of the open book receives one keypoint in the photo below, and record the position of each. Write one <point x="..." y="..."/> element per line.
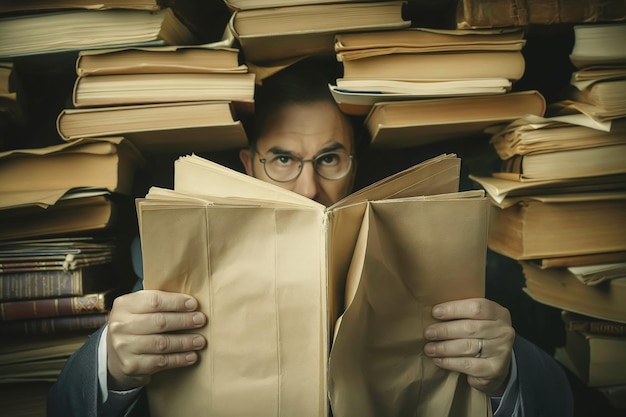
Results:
<point x="273" y="271"/>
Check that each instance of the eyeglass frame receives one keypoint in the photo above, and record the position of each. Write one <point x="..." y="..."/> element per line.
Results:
<point x="313" y="160"/>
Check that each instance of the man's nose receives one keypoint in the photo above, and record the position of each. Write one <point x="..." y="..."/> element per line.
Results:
<point x="307" y="183"/>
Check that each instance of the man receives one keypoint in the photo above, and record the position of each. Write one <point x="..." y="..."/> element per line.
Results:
<point x="301" y="142"/>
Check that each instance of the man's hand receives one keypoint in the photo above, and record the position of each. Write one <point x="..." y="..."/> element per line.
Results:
<point x="139" y="342"/>
<point x="475" y="337"/>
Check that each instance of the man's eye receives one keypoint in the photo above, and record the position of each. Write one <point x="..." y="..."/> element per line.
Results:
<point x="328" y="159"/>
<point x="283" y="160"/>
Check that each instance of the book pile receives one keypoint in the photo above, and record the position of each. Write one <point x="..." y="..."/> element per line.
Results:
<point x="598" y="86"/>
<point x="418" y="86"/>
<point x="166" y="99"/>
<point x="559" y="208"/>
<point x="63" y="250"/>
<point x="276" y="33"/>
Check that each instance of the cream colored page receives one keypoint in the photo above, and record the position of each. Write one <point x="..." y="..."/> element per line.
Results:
<point x="196" y="175"/>
<point x="258" y="274"/>
<point x="413" y="255"/>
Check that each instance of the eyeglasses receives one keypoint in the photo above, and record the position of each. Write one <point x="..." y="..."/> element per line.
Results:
<point x="328" y="165"/>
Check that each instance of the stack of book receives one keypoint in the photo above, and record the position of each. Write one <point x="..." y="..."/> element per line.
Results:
<point x="63" y="250"/>
<point x="170" y="98"/>
<point x="598" y="86"/>
<point x="276" y="33"/>
<point x="418" y="86"/>
<point x="559" y="208"/>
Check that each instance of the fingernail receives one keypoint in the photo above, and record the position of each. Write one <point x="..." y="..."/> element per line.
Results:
<point x="191" y="357"/>
<point x="429" y="349"/>
<point x="198" y="319"/>
<point x="198" y="341"/>
<point x="438" y="312"/>
<point x="430" y="333"/>
<point x="190" y="304"/>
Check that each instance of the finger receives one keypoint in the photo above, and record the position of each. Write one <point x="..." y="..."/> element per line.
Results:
<point x="473" y="308"/>
<point x="461" y="329"/>
<point x="476" y="367"/>
<point x="146" y="365"/>
<point x="162" y="344"/>
<point x="457" y="348"/>
<point x="147" y="301"/>
<point x="152" y="323"/>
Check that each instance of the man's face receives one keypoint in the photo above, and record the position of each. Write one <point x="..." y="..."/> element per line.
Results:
<point x="304" y="131"/>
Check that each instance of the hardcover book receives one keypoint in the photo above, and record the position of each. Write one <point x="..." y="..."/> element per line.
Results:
<point x="279" y="33"/>
<point x="83" y="29"/>
<point x="417" y="122"/>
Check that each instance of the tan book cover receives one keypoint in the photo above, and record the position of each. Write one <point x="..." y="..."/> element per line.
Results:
<point x="108" y="163"/>
<point x="129" y="89"/>
<point x="350" y="46"/>
<point x="580" y="260"/>
<point x="8" y="6"/>
<point x="559" y="288"/>
<point x="418" y="122"/>
<point x="159" y="59"/>
<point x="507" y="192"/>
<point x="592" y="161"/>
<point x="65" y="30"/>
<point x="560" y="225"/>
<point x="167" y="127"/>
<point x="74" y="215"/>
<point x="279" y="33"/>
<point x="437" y="66"/>
<point x="598" y="360"/>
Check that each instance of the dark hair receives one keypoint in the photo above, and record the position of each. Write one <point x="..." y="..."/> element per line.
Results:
<point x="301" y="83"/>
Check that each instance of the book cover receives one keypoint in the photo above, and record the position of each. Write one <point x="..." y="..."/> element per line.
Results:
<point x="211" y="58"/>
<point x="591" y="161"/>
<point x="54" y="307"/>
<point x="65" y="30"/>
<point x="558" y="288"/>
<point x="52" y="325"/>
<point x="280" y="33"/>
<point x="417" y="122"/>
<point x="166" y="127"/>
<point x="108" y="163"/>
<point x="503" y="13"/>
<point x="560" y="225"/>
<point x="9" y="6"/>
<point x="129" y="89"/>
<point x="598" y="360"/>
<point x="53" y="284"/>
<point x="584" y="324"/>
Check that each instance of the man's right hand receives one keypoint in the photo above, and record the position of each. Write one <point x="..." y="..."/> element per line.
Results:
<point x="139" y="338"/>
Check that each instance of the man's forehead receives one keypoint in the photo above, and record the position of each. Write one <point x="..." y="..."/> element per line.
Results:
<point x="306" y="128"/>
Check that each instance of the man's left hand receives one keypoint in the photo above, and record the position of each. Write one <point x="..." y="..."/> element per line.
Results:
<point x="474" y="337"/>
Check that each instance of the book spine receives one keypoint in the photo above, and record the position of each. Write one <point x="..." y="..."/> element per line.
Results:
<point x="500" y="13"/>
<point x="53" y="325"/>
<point x="39" y="284"/>
<point x="53" y="307"/>
<point x="512" y="165"/>
<point x="597" y="327"/>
